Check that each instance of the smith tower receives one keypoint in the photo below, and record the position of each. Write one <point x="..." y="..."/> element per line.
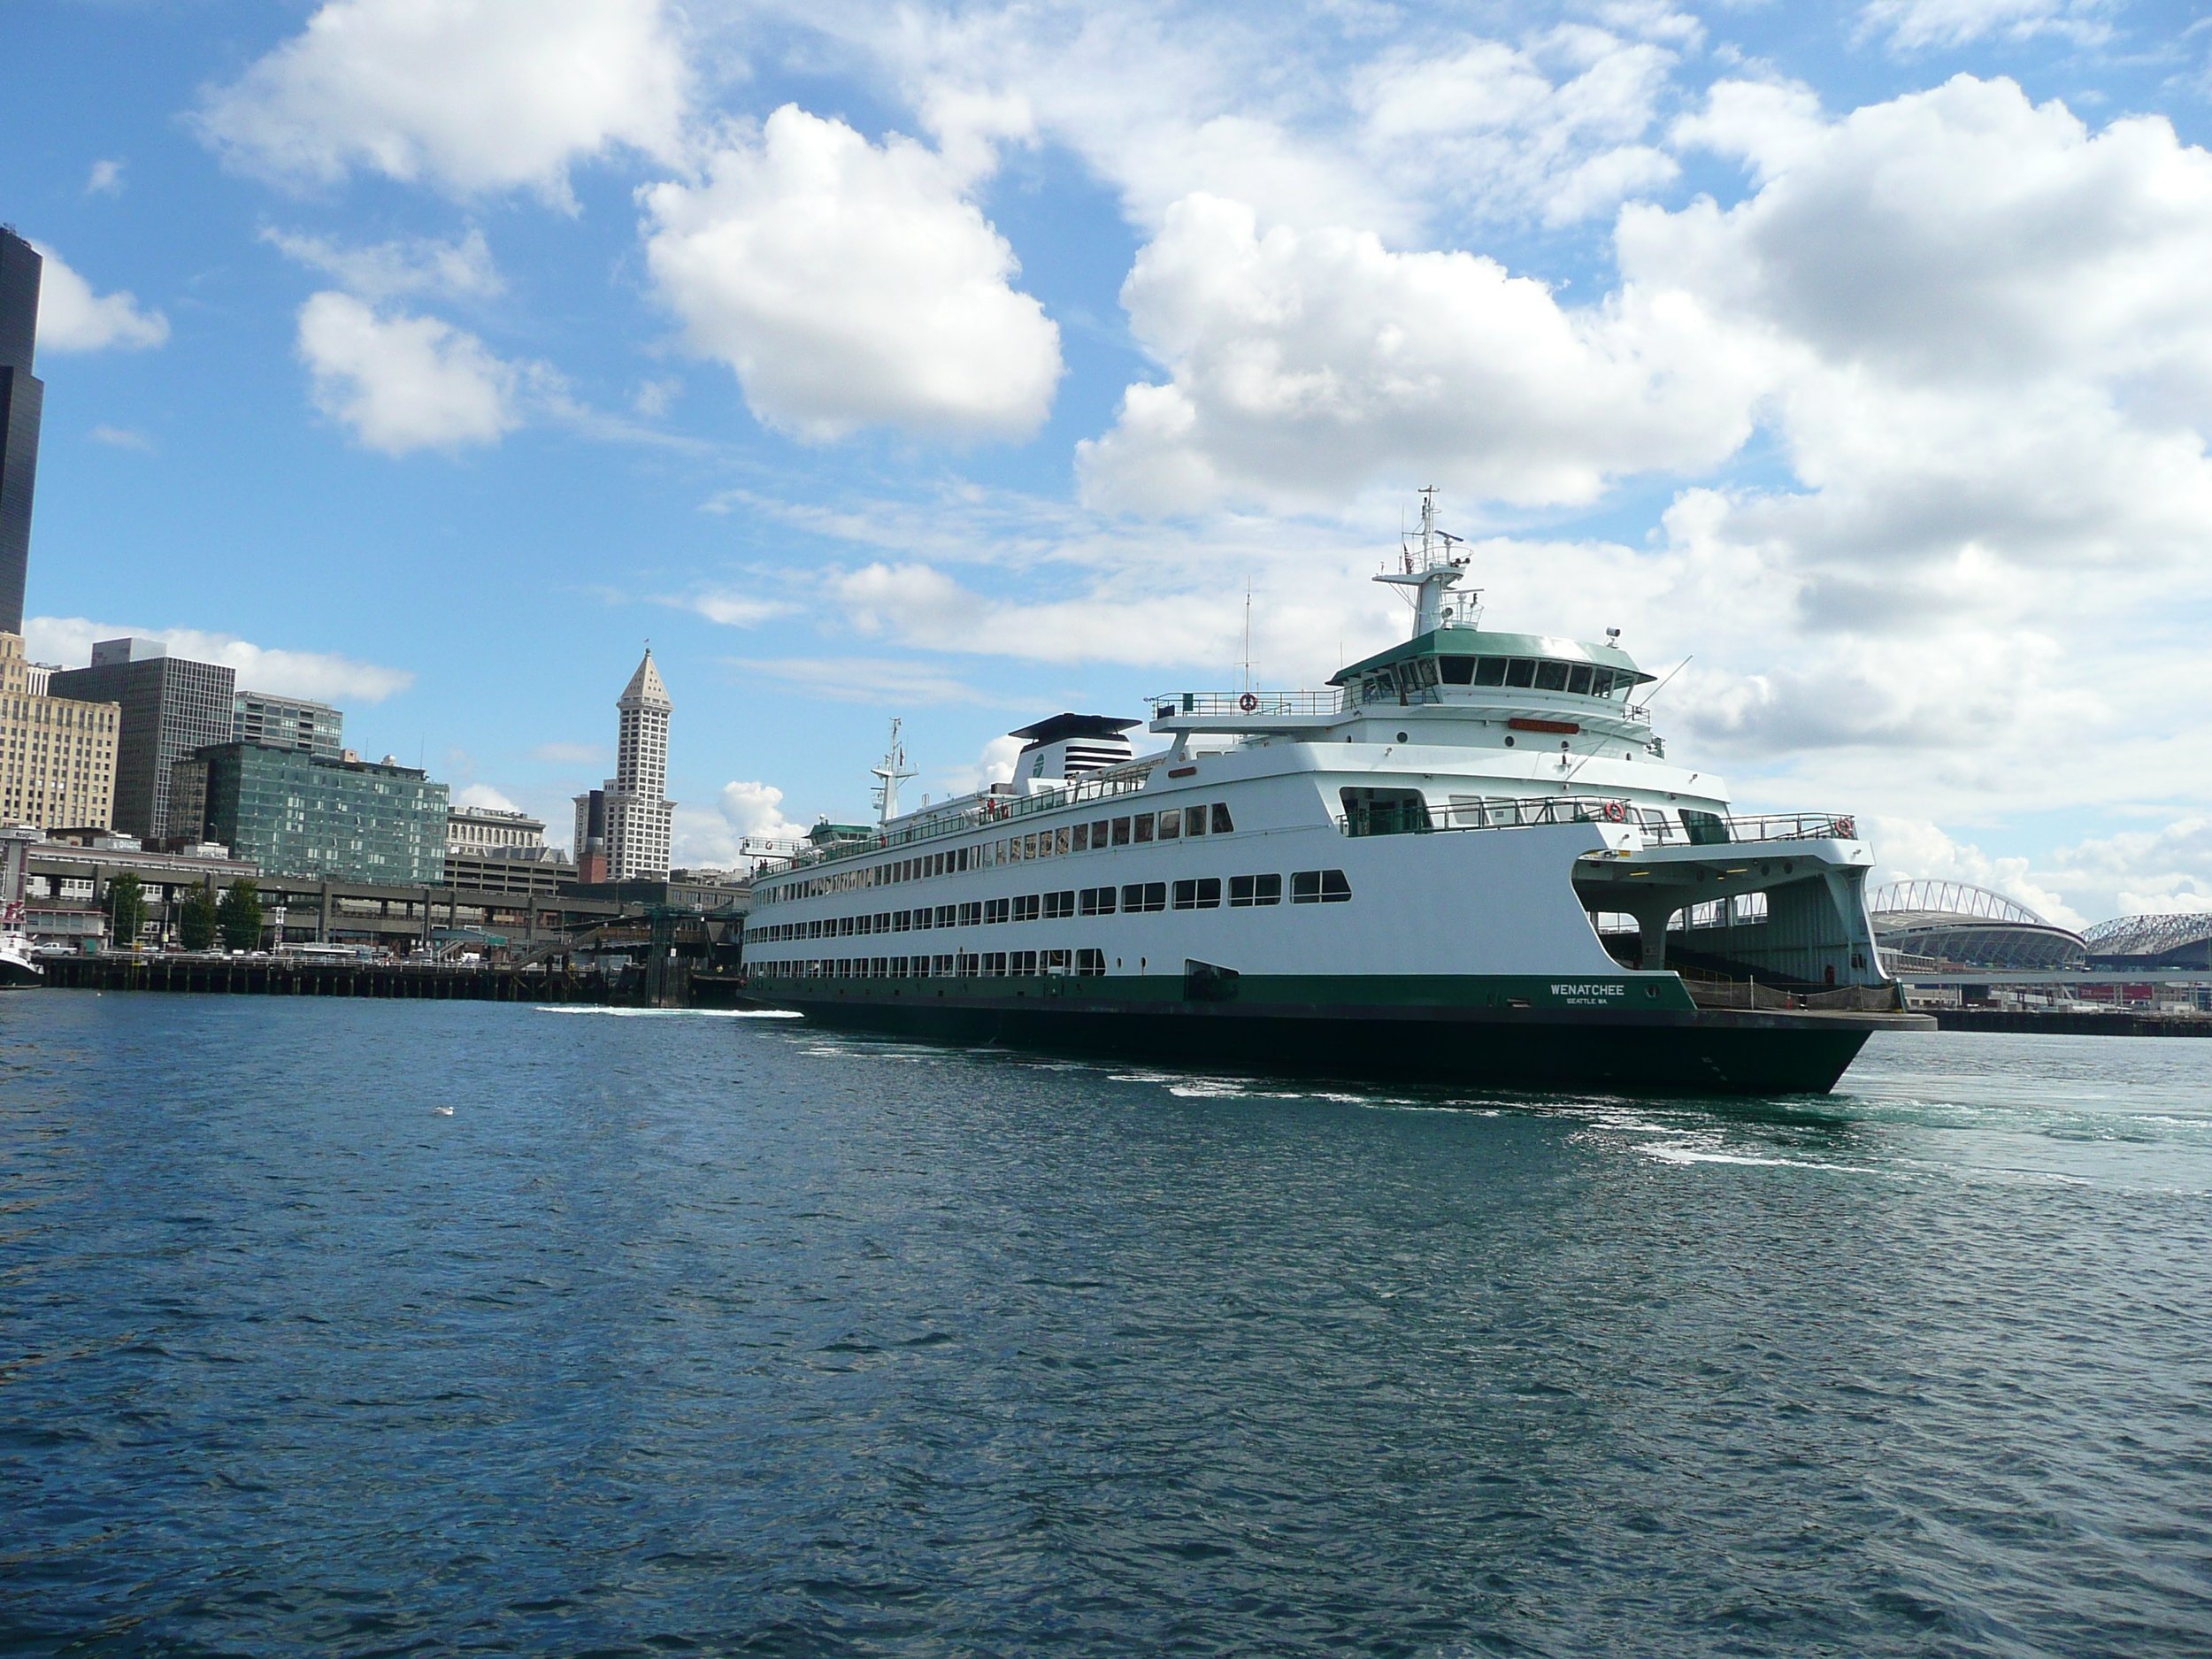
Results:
<point x="622" y="831"/>
<point x="21" y="399"/>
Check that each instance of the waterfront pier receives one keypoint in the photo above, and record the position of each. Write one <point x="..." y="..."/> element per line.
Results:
<point x="427" y="981"/>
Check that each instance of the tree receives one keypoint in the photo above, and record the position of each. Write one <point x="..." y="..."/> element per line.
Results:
<point x="195" y="922"/>
<point x="127" y="909"/>
<point x="239" y="916"/>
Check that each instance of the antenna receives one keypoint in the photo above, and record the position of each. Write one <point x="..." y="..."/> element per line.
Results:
<point x="1247" y="633"/>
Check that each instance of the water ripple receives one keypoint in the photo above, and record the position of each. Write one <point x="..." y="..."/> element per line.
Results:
<point x="732" y="1336"/>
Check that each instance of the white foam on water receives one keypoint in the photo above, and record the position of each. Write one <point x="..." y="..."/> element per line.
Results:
<point x="1677" y="1153"/>
<point x="672" y="1013"/>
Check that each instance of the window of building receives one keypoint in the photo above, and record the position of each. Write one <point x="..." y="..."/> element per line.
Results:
<point x="1144" y="826"/>
<point x="1144" y="895"/>
<point x="1520" y="671"/>
<point x="1096" y="900"/>
<point x="1203" y="894"/>
<point x="971" y="914"/>
<point x="1223" y="824"/>
<point x="1385" y="811"/>
<point x="1171" y="825"/>
<point x="1121" y="831"/>
<point x="1059" y="906"/>
<point x="1551" y="676"/>
<point x="1090" y="963"/>
<point x="1704" y="829"/>
<point x="1459" y="671"/>
<point x="1024" y="961"/>
<point x="1245" y="890"/>
<point x="995" y="910"/>
<point x="1082" y="838"/>
<point x="1319" y="887"/>
<point x="1028" y="906"/>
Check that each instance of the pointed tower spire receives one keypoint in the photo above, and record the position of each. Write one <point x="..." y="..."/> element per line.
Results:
<point x="645" y="690"/>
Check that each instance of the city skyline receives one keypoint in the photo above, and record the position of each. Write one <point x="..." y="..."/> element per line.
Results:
<point x="1860" y="361"/>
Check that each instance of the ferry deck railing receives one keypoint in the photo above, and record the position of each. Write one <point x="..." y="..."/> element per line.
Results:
<point x="1708" y="830"/>
<point x="1265" y="705"/>
<point x="1247" y="704"/>
<point x="978" y="812"/>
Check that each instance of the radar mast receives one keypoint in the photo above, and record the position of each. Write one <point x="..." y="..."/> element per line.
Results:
<point x="890" y="773"/>
<point x="1429" y="561"/>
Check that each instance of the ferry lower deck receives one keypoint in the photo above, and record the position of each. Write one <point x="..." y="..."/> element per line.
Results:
<point x="1629" y="1034"/>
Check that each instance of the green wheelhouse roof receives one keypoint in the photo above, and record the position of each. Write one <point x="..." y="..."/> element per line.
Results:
<point x="1481" y="643"/>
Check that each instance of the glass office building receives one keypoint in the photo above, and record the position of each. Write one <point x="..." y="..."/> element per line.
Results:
<point x="171" y="707"/>
<point x="22" y="399"/>
<point x="295" y="814"/>
<point x="274" y="722"/>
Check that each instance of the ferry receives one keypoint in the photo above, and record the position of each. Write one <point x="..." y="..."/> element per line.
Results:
<point x="17" y="966"/>
<point x="1469" y="861"/>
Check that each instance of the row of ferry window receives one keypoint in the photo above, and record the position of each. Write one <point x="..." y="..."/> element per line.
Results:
<point x="1416" y="674"/>
<point x="1199" y="893"/>
<point x="1138" y="829"/>
<point x="968" y="964"/>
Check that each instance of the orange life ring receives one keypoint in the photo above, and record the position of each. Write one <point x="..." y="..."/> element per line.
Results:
<point x="1248" y="702"/>
<point x="1616" y="812"/>
<point x="1846" y="830"/>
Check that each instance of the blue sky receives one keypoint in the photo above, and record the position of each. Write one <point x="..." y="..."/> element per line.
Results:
<point x="963" y="363"/>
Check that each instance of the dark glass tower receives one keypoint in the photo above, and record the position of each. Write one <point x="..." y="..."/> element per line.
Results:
<point x="171" y="709"/>
<point x="21" y="399"/>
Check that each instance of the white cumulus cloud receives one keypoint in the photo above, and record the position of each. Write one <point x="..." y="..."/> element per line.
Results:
<point x="1306" y="365"/>
<point x="322" y="677"/>
<point x="471" y="95"/>
<point x="72" y="318"/>
<point x="483" y="796"/>
<point x="851" y="284"/>
<point x="403" y="382"/>
<point x="744" y="811"/>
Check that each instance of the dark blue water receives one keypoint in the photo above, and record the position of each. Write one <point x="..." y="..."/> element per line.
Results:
<point x="692" y="1333"/>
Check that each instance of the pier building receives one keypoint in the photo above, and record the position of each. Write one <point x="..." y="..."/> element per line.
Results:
<point x="22" y="401"/>
<point x="495" y="851"/>
<point x="171" y="709"/>
<point x="57" y="754"/>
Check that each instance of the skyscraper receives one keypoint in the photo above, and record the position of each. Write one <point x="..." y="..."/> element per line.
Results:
<point x="633" y="811"/>
<point x="274" y="722"/>
<point x="171" y="708"/>
<point x="57" y="755"/>
<point x="21" y="399"/>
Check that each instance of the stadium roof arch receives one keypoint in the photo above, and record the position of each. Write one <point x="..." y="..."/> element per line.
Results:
<point x="2153" y="942"/>
<point x="1957" y="923"/>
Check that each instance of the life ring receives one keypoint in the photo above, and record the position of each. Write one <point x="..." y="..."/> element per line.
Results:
<point x="1248" y="702"/>
<point x="1846" y="830"/>
<point x="1616" y="812"/>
